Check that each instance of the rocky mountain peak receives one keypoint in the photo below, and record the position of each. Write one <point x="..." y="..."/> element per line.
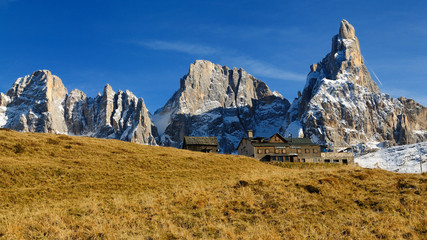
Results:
<point x="215" y="100"/>
<point x="208" y="86"/>
<point x="107" y="89"/>
<point x="41" y="82"/>
<point x="40" y="103"/>
<point x="35" y="103"/>
<point x="342" y="105"/>
<point x="346" y="30"/>
<point x="345" y="61"/>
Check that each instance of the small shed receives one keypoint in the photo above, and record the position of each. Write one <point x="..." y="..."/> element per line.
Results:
<point x="201" y="144"/>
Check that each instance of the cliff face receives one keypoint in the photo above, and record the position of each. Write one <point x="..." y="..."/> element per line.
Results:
<point x="342" y="105"/>
<point x="40" y="103"/>
<point x="215" y="100"/>
<point x="35" y="103"/>
<point x="118" y="115"/>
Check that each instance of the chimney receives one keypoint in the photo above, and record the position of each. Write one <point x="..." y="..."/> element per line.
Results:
<point x="250" y="134"/>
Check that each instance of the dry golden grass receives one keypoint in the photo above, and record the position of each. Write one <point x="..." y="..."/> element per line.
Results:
<point x="61" y="187"/>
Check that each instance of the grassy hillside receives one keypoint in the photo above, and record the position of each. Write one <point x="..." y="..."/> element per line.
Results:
<point x="61" y="187"/>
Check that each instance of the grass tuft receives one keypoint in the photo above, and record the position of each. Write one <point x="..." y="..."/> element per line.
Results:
<point x="18" y="148"/>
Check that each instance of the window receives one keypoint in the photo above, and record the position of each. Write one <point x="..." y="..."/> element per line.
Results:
<point x="283" y="150"/>
<point x="315" y="151"/>
<point x="273" y="158"/>
<point x="277" y="151"/>
<point x="267" y="151"/>
<point x="344" y="161"/>
<point x="286" y="158"/>
<point x="299" y="151"/>
<point x="307" y="150"/>
<point x="259" y="151"/>
<point x="336" y="161"/>
<point x="303" y="160"/>
<point x="280" y="159"/>
<point x="327" y="160"/>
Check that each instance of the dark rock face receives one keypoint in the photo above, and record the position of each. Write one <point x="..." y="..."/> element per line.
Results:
<point x="40" y="103"/>
<point x="215" y="100"/>
<point x="341" y="104"/>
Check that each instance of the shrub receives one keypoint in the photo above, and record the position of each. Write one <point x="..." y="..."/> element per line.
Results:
<point x="241" y="183"/>
<point x="312" y="189"/>
<point x="52" y="141"/>
<point x="18" y="148"/>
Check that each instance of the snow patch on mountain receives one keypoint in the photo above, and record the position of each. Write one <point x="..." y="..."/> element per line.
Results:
<point x="3" y="117"/>
<point x="295" y="130"/>
<point x="403" y="159"/>
<point x="277" y="94"/>
<point x="161" y="121"/>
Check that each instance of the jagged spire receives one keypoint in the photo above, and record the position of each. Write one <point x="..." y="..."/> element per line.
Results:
<point x="346" y="30"/>
<point x="345" y="60"/>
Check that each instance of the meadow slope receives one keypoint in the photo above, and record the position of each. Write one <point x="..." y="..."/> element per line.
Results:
<point x="63" y="187"/>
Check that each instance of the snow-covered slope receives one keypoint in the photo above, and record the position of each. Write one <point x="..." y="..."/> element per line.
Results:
<point x="403" y="159"/>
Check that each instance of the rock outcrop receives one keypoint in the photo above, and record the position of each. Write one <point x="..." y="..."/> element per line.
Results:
<point x="342" y="105"/>
<point x="215" y="100"/>
<point x="40" y="103"/>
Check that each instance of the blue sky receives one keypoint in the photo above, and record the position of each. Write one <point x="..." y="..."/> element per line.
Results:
<point x="147" y="46"/>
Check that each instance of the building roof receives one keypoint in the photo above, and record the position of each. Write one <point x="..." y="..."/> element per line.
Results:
<point x="262" y="142"/>
<point x="288" y="142"/>
<point x="211" y="141"/>
<point x="299" y="141"/>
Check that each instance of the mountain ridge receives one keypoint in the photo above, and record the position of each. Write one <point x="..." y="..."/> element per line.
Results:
<point x="40" y="103"/>
<point x="339" y="105"/>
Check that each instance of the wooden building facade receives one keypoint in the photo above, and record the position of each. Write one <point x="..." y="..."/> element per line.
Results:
<point x="201" y="144"/>
<point x="278" y="148"/>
